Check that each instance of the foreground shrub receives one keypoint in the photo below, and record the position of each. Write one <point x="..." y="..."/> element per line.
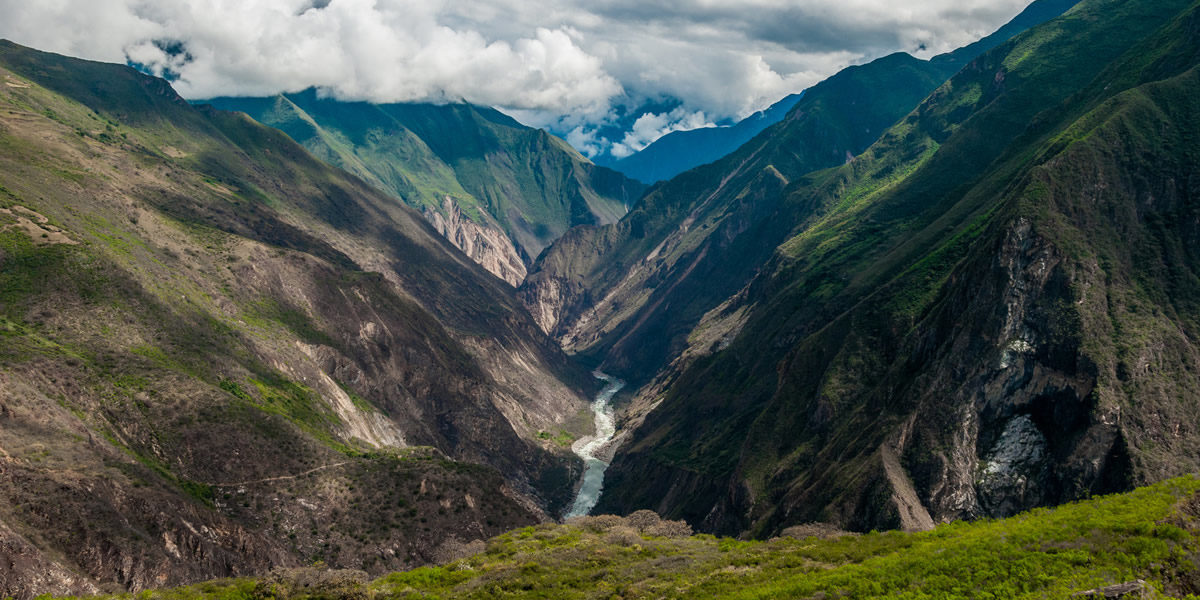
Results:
<point x="312" y="583"/>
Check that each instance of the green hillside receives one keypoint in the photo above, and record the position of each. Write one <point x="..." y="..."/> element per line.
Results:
<point x="528" y="184"/>
<point x="993" y="308"/>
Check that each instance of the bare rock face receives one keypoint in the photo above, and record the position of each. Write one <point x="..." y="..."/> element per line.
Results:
<point x="545" y="301"/>
<point x="488" y="246"/>
<point x="1013" y="468"/>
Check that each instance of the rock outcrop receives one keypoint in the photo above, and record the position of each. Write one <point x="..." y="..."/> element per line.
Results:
<point x="487" y="246"/>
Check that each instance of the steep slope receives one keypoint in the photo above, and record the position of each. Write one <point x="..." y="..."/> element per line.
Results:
<point x="630" y="294"/>
<point x="1141" y="544"/>
<point x="1033" y="15"/>
<point x="993" y="308"/>
<point x="681" y="151"/>
<point x="219" y="352"/>
<point x="498" y="190"/>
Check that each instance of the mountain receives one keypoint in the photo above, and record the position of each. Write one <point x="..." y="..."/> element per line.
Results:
<point x="631" y="293"/>
<point x="619" y="293"/>
<point x="680" y="151"/>
<point x="993" y="308"/>
<point x="1033" y="15"/>
<point x="220" y="354"/>
<point x="1135" y="545"/>
<point x="500" y="191"/>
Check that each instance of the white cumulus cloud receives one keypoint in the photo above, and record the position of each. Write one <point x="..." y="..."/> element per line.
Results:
<point x="651" y="126"/>
<point x="566" y="63"/>
<point x="378" y="50"/>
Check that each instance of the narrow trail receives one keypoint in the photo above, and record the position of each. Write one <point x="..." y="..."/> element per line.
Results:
<point x="282" y="477"/>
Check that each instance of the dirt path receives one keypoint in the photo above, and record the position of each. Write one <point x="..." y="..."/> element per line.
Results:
<point x="282" y="477"/>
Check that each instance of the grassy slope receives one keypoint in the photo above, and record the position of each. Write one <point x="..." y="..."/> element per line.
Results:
<point x="886" y="312"/>
<point x="189" y="301"/>
<point x="1149" y="534"/>
<point x="529" y="184"/>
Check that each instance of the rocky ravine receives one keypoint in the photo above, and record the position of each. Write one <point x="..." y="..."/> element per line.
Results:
<point x="485" y="245"/>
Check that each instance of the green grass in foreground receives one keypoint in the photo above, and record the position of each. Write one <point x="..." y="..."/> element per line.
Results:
<point x="1152" y="533"/>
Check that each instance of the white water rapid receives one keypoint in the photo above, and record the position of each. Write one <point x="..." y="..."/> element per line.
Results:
<point x="587" y="447"/>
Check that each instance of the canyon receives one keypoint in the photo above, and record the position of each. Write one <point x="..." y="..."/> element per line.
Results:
<point x="250" y="334"/>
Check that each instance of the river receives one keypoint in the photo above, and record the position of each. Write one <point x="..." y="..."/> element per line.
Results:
<point x="587" y="447"/>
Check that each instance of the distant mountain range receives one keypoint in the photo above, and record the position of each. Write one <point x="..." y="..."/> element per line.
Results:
<point x="680" y="151"/>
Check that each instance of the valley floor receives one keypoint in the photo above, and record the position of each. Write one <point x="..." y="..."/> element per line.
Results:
<point x="1149" y="538"/>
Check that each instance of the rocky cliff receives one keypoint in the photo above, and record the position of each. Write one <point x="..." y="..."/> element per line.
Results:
<point x="487" y="246"/>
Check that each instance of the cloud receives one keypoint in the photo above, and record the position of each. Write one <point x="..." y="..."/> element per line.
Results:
<point x="651" y="126"/>
<point x="569" y="64"/>
<point x="586" y="141"/>
<point x="384" y="51"/>
<point x="730" y="58"/>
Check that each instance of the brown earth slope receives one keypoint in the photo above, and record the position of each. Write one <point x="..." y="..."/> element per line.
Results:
<point x="217" y="353"/>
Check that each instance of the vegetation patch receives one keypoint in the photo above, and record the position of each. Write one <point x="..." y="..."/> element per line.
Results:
<point x="1151" y="534"/>
<point x="563" y="439"/>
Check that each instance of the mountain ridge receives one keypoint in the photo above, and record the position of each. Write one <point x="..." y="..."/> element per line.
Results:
<point x="222" y="355"/>
<point x="929" y="306"/>
<point x="516" y="188"/>
<point x="681" y="151"/>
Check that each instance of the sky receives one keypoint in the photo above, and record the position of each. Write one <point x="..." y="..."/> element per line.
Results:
<point x="575" y="67"/>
